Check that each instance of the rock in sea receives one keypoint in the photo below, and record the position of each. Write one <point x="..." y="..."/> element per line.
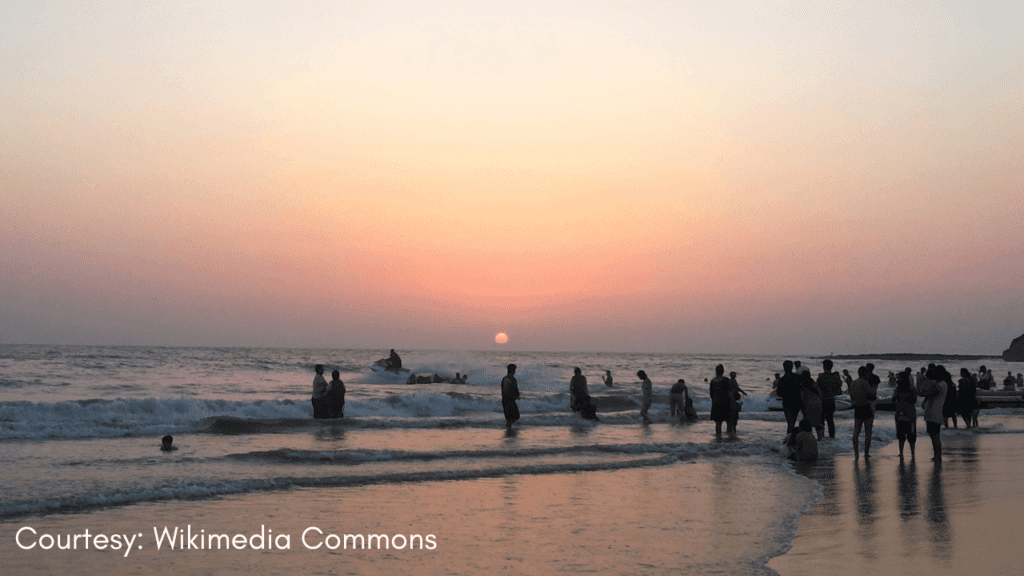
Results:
<point x="1015" y="353"/>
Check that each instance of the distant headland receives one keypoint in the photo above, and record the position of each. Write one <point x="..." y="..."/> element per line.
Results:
<point x="911" y="356"/>
<point x="1015" y="353"/>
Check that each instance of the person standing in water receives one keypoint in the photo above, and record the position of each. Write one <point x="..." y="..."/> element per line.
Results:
<point x="607" y="378"/>
<point x="789" y="390"/>
<point x="933" y="389"/>
<point x="967" y="398"/>
<point x="335" y="396"/>
<point x="723" y="405"/>
<point x="646" y="395"/>
<point x="863" y="396"/>
<point x="810" y="401"/>
<point x="509" y="395"/>
<point x="905" y="400"/>
<point x="831" y="385"/>
<point x="319" y="398"/>
<point x="578" y="393"/>
<point x="676" y="401"/>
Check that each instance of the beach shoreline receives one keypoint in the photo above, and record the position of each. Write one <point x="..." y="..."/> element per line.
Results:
<point x="886" y="515"/>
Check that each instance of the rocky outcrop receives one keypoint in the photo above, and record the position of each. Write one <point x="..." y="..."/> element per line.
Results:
<point x="1015" y="353"/>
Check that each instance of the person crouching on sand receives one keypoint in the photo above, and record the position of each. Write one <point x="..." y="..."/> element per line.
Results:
<point x="803" y="446"/>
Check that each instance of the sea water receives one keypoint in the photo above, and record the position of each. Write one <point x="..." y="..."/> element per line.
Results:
<point x="81" y="429"/>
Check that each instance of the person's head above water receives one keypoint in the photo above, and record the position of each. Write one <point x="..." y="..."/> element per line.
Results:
<point x="166" y="443"/>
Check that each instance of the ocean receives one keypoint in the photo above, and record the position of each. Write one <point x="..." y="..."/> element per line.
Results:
<point x="428" y="468"/>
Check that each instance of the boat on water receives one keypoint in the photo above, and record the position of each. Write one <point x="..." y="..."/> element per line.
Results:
<point x="986" y="399"/>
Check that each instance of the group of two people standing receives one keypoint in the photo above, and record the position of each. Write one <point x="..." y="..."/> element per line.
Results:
<point x="328" y="397"/>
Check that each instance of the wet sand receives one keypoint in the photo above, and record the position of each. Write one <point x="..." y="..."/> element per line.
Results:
<point x="719" y="517"/>
<point x="884" y="517"/>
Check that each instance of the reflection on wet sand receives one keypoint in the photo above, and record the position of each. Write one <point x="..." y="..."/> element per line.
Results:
<point x="914" y="517"/>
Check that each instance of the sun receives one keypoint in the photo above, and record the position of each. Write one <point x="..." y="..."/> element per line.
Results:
<point x="501" y="338"/>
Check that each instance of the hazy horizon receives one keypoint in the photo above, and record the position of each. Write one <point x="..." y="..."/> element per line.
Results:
<point x="734" y="177"/>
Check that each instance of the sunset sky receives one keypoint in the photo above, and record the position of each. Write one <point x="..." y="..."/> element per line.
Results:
<point x="725" y="177"/>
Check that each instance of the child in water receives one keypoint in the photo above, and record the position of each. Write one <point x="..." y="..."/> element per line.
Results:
<point x="167" y="443"/>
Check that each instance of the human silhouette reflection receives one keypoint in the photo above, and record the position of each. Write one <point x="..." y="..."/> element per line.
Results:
<point x="907" y="489"/>
<point x="864" y="484"/>
<point x="939" y="530"/>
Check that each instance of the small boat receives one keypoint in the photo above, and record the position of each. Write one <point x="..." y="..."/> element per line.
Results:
<point x="1000" y="398"/>
<point x="986" y="399"/>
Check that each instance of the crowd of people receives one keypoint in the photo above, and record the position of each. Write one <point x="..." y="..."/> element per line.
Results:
<point x="809" y="404"/>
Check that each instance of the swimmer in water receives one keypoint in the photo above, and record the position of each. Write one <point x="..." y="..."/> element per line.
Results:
<point x="167" y="443"/>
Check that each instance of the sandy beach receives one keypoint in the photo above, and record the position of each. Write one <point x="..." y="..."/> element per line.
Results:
<point x="697" y="515"/>
<point x="886" y="517"/>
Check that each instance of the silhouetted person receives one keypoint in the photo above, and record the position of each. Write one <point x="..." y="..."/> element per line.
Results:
<point x="803" y="446"/>
<point x="676" y="402"/>
<point x="934" y="392"/>
<point x="578" y="393"/>
<point x="723" y="403"/>
<point x="789" y="390"/>
<point x="167" y="443"/>
<point x="607" y="378"/>
<point x="335" y="396"/>
<point x="905" y="400"/>
<point x="1009" y="383"/>
<point x="862" y="397"/>
<point x="831" y="385"/>
<point x="732" y="376"/>
<point x="394" y="362"/>
<point x="319" y="399"/>
<point x="873" y="378"/>
<point x="967" y="398"/>
<point x="509" y="395"/>
<point x="810" y="401"/>
<point x="985" y="380"/>
<point x="646" y="395"/>
<point x="951" y="405"/>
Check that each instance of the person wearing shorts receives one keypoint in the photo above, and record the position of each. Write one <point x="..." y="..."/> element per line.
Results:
<point x="904" y="399"/>
<point x="862" y="397"/>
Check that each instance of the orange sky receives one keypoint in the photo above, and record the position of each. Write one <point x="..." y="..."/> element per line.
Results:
<point x="728" y="177"/>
